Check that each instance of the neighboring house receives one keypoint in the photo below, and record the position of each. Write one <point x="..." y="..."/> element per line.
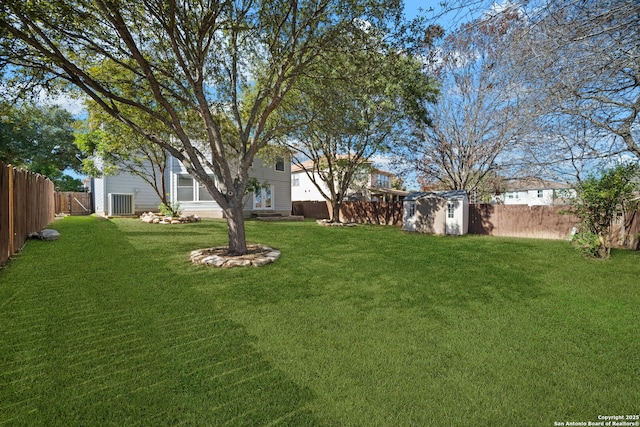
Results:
<point x="127" y="194"/>
<point x="372" y="185"/>
<point x="436" y="212"/>
<point x="534" y="192"/>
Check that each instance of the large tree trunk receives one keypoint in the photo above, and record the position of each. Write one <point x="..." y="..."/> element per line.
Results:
<point x="605" y="247"/>
<point x="235" y="224"/>
<point x="335" y="214"/>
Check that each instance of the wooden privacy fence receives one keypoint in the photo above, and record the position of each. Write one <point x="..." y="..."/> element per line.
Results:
<point x="26" y="206"/>
<point x="384" y="213"/>
<point x="73" y="203"/>
<point x="542" y="222"/>
<point x="311" y="209"/>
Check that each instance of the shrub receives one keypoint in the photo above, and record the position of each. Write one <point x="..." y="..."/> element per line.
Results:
<point x="599" y="200"/>
<point x="588" y="243"/>
<point x="170" y="209"/>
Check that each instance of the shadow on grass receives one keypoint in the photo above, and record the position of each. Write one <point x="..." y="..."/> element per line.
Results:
<point x="94" y="334"/>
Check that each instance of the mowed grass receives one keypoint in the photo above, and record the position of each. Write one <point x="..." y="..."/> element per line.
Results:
<point x="363" y="326"/>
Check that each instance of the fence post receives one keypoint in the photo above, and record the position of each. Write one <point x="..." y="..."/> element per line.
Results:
<point x="12" y="230"/>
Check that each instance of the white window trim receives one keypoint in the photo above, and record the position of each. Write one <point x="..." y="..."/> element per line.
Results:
<point x="262" y="206"/>
<point x="196" y="187"/>
<point x="179" y="187"/>
<point x="451" y="210"/>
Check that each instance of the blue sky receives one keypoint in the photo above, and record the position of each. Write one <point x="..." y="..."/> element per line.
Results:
<point x="411" y="7"/>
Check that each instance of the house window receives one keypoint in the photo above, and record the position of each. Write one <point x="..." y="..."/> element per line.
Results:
<point x="203" y="194"/>
<point x="295" y="180"/>
<point x="263" y="199"/>
<point x="412" y="209"/>
<point x="451" y="209"/>
<point x="190" y="190"/>
<point x="383" y="181"/>
<point x="185" y="188"/>
<point x="540" y="194"/>
<point x="280" y="164"/>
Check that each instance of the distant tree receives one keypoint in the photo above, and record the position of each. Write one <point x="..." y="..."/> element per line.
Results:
<point x="584" y="59"/>
<point x="359" y="103"/>
<point x="600" y="199"/>
<point x="40" y="139"/>
<point x="397" y="183"/>
<point x="482" y="112"/>
<point x="114" y="148"/>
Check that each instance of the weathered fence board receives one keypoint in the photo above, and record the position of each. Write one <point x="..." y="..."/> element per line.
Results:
<point x="5" y="239"/>
<point x="26" y="206"/>
<point x="73" y="203"/>
<point x="382" y="213"/>
<point x="542" y="222"/>
<point x="311" y="209"/>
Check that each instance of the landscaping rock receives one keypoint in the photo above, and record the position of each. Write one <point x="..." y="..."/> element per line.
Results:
<point x="259" y="262"/>
<point x="257" y="256"/>
<point x="49" y="234"/>
<point x="196" y="253"/>
<point x="327" y="223"/>
<point x="156" y="218"/>
<point x="237" y="262"/>
<point x="214" y="260"/>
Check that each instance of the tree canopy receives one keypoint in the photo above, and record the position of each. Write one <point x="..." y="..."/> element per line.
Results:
<point x="229" y="63"/>
<point x="113" y="148"/>
<point x="360" y="102"/>
<point x="40" y="139"/>
<point x="582" y="60"/>
<point x="482" y="112"/>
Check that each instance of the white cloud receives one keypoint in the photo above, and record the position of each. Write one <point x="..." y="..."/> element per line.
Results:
<point x="73" y="105"/>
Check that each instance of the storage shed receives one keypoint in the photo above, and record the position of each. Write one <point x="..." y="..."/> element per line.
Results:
<point x="437" y="212"/>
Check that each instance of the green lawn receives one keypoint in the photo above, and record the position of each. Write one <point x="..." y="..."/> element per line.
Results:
<point x="363" y="326"/>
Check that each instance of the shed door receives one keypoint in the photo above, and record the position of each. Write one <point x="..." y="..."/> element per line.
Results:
<point x="409" y="220"/>
<point x="452" y="224"/>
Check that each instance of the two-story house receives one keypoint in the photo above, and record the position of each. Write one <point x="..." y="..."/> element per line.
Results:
<point x="534" y="192"/>
<point x="371" y="184"/>
<point x="128" y="194"/>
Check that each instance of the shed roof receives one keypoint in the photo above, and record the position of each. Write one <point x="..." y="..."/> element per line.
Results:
<point x="448" y="195"/>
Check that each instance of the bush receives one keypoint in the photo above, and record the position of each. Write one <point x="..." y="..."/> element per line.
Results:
<point x="169" y="209"/>
<point x="599" y="200"/>
<point x="588" y="243"/>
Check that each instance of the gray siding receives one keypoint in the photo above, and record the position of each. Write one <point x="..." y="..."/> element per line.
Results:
<point x="145" y="197"/>
<point x="206" y="209"/>
<point x="147" y="200"/>
<point x="265" y="174"/>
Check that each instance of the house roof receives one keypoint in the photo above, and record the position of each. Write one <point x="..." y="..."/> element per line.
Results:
<point x="521" y="184"/>
<point x="449" y="195"/>
<point x="308" y="164"/>
<point x="392" y="191"/>
<point x="298" y="168"/>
